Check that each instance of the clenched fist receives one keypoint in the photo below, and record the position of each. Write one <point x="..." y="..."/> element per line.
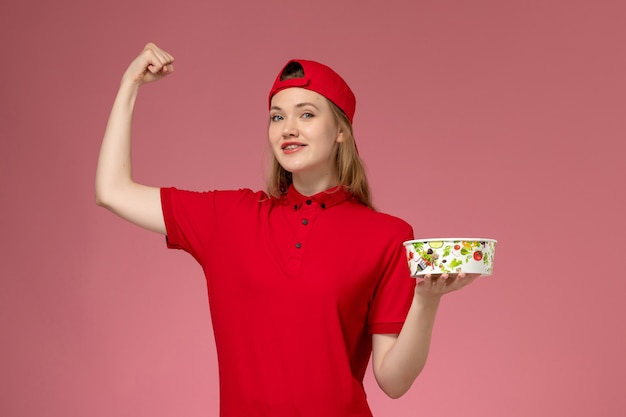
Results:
<point x="152" y="64"/>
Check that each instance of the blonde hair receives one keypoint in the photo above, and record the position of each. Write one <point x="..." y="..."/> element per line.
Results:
<point x="349" y="166"/>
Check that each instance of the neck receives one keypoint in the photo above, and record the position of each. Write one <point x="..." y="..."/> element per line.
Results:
<point x="311" y="186"/>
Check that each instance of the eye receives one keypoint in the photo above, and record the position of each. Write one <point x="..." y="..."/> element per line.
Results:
<point x="307" y="115"/>
<point x="276" y="117"/>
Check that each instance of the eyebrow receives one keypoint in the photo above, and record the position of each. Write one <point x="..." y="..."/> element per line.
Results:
<point x="299" y="105"/>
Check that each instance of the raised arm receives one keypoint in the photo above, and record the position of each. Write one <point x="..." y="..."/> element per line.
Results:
<point x="115" y="188"/>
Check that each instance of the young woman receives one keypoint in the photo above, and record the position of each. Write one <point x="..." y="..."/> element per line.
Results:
<point x="306" y="280"/>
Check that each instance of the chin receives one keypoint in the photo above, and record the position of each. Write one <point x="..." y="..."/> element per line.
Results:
<point x="290" y="167"/>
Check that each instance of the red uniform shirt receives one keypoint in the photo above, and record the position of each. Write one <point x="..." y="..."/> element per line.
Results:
<point x="296" y="287"/>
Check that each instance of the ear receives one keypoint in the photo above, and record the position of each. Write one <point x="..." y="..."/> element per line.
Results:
<point x="340" y="134"/>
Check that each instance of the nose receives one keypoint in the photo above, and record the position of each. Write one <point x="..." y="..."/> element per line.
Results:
<point x="290" y="133"/>
<point x="290" y="130"/>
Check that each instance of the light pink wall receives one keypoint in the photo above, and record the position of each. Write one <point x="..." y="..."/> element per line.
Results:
<point x="489" y="118"/>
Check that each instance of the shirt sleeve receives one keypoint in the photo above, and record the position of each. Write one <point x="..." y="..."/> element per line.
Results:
<point x="394" y="293"/>
<point x="189" y="219"/>
<point x="195" y="221"/>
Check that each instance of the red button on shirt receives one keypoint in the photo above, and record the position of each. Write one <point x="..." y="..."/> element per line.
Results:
<point x="293" y="305"/>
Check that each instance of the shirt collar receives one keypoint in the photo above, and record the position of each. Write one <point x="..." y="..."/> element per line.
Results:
<point x="325" y="199"/>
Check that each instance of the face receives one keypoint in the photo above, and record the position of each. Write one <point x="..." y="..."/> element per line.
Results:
<point x="303" y="135"/>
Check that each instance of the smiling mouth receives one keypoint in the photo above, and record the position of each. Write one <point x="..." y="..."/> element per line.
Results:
<point x="291" y="146"/>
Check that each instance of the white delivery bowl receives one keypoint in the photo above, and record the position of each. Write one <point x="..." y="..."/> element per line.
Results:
<point x="450" y="256"/>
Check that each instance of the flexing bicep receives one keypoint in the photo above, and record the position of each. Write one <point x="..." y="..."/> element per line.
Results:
<point x="138" y="204"/>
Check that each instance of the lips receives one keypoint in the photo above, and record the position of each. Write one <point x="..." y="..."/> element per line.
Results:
<point x="291" y="146"/>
